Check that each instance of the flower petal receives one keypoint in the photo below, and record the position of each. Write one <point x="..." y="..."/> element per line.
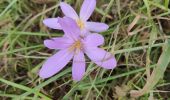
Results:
<point x="55" y="63"/>
<point x="52" y="23"/>
<point x="96" y="27"/>
<point x="84" y="32"/>
<point x="94" y="39"/>
<point x="101" y="57"/>
<point x="87" y="9"/>
<point x="78" y="68"/>
<point x="69" y="27"/>
<point x="58" y="43"/>
<point x="68" y="10"/>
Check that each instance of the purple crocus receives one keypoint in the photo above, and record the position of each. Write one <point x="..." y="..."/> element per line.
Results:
<point x="73" y="45"/>
<point x="85" y="12"/>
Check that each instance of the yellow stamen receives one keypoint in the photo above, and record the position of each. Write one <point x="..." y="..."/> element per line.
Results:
<point x="80" y="23"/>
<point x="76" y="46"/>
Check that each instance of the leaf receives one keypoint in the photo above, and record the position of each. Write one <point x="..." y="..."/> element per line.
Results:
<point x="157" y="73"/>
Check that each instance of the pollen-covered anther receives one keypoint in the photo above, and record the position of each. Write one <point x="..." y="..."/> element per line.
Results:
<point x="76" y="46"/>
<point x="80" y="23"/>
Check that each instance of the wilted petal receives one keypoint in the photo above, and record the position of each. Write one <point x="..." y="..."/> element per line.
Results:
<point x="52" y="23"/>
<point x="68" y="10"/>
<point x="55" y="63"/>
<point x="78" y="68"/>
<point x="94" y="39"/>
<point x="96" y="27"/>
<point x="87" y="9"/>
<point x="58" y="43"/>
<point x="101" y="57"/>
<point x="69" y="27"/>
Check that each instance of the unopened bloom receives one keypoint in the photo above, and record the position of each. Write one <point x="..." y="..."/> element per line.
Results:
<point x="85" y="13"/>
<point x="72" y="45"/>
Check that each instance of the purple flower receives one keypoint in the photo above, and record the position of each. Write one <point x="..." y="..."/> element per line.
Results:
<point x="72" y="45"/>
<point x="85" y="12"/>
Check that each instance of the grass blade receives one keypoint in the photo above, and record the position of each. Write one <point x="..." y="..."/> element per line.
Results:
<point x="157" y="73"/>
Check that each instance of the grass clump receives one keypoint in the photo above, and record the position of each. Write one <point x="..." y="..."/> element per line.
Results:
<point x="138" y="35"/>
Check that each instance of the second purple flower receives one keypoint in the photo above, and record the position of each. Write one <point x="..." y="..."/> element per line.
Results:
<point x="87" y="9"/>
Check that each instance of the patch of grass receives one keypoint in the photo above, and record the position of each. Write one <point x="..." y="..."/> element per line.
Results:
<point x="22" y="52"/>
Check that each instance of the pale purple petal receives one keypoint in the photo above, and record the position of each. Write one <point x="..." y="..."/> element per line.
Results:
<point x="68" y="11"/>
<point x="52" y="23"/>
<point x="78" y="68"/>
<point x="87" y="9"/>
<point x="96" y="27"/>
<point x="84" y="32"/>
<point x="94" y="39"/>
<point x="101" y="57"/>
<point x="69" y="27"/>
<point x="58" y="43"/>
<point x="55" y="63"/>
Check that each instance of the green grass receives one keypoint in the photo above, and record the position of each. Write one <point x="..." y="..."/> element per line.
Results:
<point x="22" y="52"/>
